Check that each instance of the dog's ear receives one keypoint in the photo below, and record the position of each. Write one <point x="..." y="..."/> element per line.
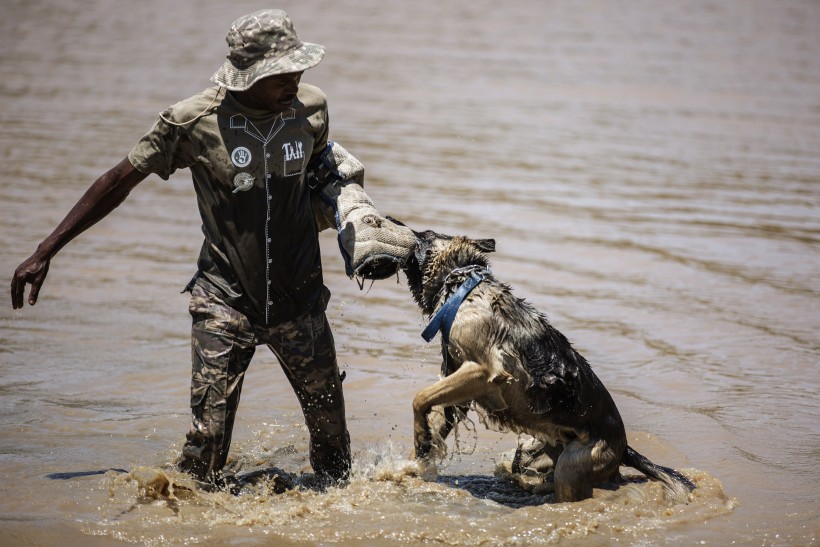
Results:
<point x="485" y="245"/>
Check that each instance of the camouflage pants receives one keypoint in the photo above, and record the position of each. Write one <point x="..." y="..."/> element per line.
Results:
<point x="223" y="342"/>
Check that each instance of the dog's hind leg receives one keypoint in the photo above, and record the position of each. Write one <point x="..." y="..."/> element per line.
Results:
<point x="471" y="380"/>
<point x="535" y="455"/>
<point x="581" y="465"/>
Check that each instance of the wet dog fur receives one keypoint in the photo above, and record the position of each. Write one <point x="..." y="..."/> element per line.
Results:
<point x="506" y="358"/>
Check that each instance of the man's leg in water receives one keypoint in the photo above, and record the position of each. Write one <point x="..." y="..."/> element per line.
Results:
<point x="306" y="351"/>
<point x="222" y="344"/>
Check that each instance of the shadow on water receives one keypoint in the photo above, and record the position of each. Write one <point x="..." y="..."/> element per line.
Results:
<point x="509" y="493"/>
<point x="500" y="490"/>
<point x="67" y="475"/>
<point x="277" y="480"/>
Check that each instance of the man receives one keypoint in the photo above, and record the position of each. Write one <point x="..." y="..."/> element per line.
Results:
<point x="266" y="179"/>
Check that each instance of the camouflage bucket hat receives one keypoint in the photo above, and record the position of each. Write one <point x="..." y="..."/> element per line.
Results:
<point x="263" y="44"/>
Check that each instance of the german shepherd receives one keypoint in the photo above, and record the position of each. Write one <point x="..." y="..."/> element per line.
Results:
<point x="504" y="356"/>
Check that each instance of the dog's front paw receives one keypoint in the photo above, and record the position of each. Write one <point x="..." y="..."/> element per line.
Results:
<point x="425" y="462"/>
<point x="427" y="468"/>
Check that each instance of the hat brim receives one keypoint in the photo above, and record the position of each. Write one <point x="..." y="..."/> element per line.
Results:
<point x="302" y="58"/>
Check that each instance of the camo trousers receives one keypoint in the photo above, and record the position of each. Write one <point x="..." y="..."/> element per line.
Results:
<point x="223" y="340"/>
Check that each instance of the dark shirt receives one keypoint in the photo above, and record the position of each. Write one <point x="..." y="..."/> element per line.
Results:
<point x="261" y="248"/>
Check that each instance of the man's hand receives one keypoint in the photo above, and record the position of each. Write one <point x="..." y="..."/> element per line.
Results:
<point x="101" y="198"/>
<point x="373" y="246"/>
<point x="33" y="270"/>
<point x="376" y="246"/>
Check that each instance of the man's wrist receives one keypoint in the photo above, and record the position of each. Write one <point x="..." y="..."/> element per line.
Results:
<point x="46" y="250"/>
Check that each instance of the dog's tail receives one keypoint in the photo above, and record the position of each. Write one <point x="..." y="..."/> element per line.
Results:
<point x="676" y="485"/>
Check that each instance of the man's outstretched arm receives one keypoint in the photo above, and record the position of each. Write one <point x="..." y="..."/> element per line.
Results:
<point x="101" y="198"/>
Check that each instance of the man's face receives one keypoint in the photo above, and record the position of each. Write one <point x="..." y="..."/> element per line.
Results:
<point x="274" y="93"/>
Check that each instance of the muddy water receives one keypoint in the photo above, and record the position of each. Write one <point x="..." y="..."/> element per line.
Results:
<point x="649" y="170"/>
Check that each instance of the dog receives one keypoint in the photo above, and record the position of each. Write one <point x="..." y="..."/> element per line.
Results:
<point x="521" y="373"/>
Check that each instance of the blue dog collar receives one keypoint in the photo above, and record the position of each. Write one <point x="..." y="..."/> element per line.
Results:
<point x="443" y="320"/>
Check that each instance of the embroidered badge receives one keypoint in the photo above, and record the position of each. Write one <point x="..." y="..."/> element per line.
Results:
<point x="241" y="156"/>
<point x="242" y="182"/>
<point x="294" y="158"/>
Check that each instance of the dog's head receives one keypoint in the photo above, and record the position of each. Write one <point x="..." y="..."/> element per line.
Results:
<point x="435" y="256"/>
<point x="431" y="244"/>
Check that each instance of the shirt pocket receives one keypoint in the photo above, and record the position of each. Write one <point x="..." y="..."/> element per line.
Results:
<point x="293" y="153"/>
<point x="294" y="166"/>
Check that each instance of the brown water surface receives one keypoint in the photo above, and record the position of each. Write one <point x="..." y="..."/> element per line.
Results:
<point x="650" y="171"/>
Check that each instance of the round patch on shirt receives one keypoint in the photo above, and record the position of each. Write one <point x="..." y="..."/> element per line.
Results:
<point x="241" y="156"/>
<point x="242" y="182"/>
